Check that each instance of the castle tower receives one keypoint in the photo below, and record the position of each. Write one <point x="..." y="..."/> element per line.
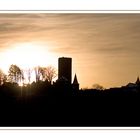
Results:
<point x="75" y="83"/>
<point x="65" y="69"/>
<point x="138" y="81"/>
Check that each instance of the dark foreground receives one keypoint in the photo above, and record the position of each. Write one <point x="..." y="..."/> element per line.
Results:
<point x="98" y="109"/>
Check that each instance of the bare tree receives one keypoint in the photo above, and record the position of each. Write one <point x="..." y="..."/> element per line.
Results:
<point x="37" y="73"/>
<point x="42" y="73"/>
<point x="50" y="73"/>
<point x="29" y="72"/>
<point x="45" y="73"/>
<point x="15" y="74"/>
<point x="3" y="77"/>
<point x="22" y="76"/>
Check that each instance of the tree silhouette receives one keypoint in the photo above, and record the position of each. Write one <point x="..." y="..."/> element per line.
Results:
<point x="15" y="74"/>
<point x="37" y="73"/>
<point x="50" y="73"/>
<point x="3" y="77"/>
<point x="29" y="72"/>
<point x="41" y="71"/>
<point x="45" y="73"/>
<point x="97" y="86"/>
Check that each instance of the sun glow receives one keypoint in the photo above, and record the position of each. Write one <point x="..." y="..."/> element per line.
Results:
<point x="27" y="55"/>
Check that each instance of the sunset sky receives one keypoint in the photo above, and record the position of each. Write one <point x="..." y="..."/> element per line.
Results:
<point x="105" y="48"/>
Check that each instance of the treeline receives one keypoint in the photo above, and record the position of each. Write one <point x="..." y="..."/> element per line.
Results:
<point x="23" y="77"/>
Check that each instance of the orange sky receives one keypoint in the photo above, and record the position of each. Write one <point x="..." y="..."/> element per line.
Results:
<point x="104" y="47"/>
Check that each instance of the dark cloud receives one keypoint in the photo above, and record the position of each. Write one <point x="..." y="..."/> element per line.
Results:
<point x="94" y="32"/>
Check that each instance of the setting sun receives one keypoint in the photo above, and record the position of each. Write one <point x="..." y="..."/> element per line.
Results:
<point x="103" y="52"/>
<point x="27" y="55"/>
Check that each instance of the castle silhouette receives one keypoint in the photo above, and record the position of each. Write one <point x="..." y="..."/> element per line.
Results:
<point x="61" y="103"/>
<point x="65" y="75"/>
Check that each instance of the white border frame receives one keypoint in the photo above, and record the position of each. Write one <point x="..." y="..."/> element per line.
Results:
<point x="71" y="11"/>
<point x="69" y="128"/>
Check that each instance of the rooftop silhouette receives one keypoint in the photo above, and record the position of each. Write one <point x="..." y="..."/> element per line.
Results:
<point x="75" y="81"/>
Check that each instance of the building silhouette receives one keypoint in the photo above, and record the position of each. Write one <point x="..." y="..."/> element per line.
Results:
<point x="75" y="83"/>
<point x="65" y="69"/>
<point x="137" y="81"/>
<point x="64" y="83"/>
